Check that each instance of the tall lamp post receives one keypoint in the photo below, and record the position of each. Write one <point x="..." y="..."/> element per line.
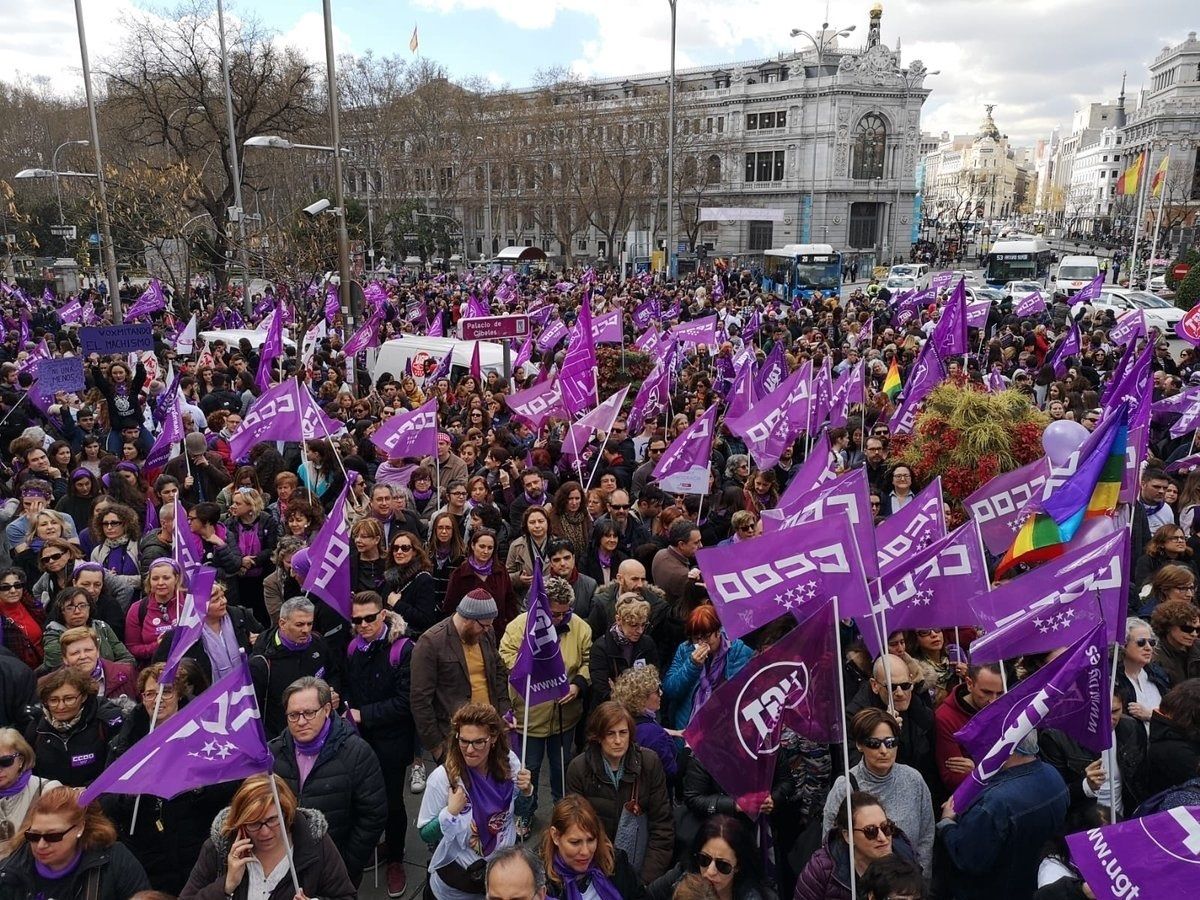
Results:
<point x="349" y="302"/>
<point x="238" y="211"/>
<point x="820" y="43"/>
<point x="487" y="210"/>
<point x="107" y="249"/>
<point x="671" y="151"/>
<point x="54" y="166"/>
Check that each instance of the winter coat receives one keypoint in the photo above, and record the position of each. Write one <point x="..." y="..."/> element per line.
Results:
<point x="1172" y="757"/>
<point x="110" y="647"/>
<point x="268" y="536"/>
<point x="586" y="776"/>
<point x="662" y="627"/>
<point x="318" y="864"/>
<point x="167" y="853"/>
<point x="416" y="602"/>
<point x="1071" y="760"/>
<point x="17" y="690"/>
<point x="608" y="661"/>
<point x="147" y="623"/>
<point x="663" y="887"/>
<point x="273" y="667"/>
<point x="827" y="875"/>
<point x="377" y="684"/>
<point x="115" y="872"/>
<point x="441" y="683"/>
<point x="575" y="646"/>
<point x="683" y="677"/>
<point x="463" y="580"/>
<point x="79" y="755"/>
<point x="345" y="785"/>
<point x="1179" y="665"/>
<point x="27" y="649"/>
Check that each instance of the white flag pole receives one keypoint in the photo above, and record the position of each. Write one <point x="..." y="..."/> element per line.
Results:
<point x="841" y="674"/>
<point x="1162" y="200"/>
<point x="137" y="801"/>
<point x="525" y="730"/>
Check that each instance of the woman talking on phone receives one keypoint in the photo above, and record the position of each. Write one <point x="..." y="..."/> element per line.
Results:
<point x="245" y="855"/>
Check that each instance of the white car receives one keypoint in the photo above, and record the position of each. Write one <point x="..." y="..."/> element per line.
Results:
<point x="909" y="270"/>
<point x="1018" y="289"/>
<point x="1160" y="313"/>
<point x="897" y="283"/>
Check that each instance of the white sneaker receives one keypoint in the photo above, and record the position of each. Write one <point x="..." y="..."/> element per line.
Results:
<point x="417" y="780"/>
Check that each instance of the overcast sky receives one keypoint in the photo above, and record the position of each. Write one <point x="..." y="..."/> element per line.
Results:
<point x="1037" y="60"/>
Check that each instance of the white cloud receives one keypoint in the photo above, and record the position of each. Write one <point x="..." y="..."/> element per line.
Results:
<point x="307" y="36"/>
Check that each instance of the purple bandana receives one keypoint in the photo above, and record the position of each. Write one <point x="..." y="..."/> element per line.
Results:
<point x="313" y="747"/>
<point x="712" y="674"/>
<point x="290" y="644"/>
<point x="17" y="786"/>
<point x="574" y="890"/>
<point x="483" y="570"/>
<point x="491" y="808"/>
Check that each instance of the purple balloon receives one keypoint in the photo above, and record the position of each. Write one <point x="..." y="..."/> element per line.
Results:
<point x="1061" y="439"/>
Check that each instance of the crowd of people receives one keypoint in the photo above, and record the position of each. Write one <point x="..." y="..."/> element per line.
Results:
<point x="410" y="695"/>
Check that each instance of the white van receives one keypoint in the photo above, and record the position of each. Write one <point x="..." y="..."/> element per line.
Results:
<point x="1075" y="273"/>
<point x="395" y="355"/>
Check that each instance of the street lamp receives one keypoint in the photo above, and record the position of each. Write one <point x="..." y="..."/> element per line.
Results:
<point x="54" y="166"/>
<point x="55" y="175"/>
<point x="235" y="168"/>
<point x="487" y="214"/>
<point x="671" y="149"/>
<point x="820" y="43"/>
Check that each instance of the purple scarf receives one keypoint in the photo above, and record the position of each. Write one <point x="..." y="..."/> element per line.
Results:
<point x="572" y="890"/>
<point x="56" y="874"/>
<point x="357" y="645"/>
<point x="491" y="808"/>
<point x="422" y="496"/>
<point x="221" y="648"/>
<point x="17" y="786"/>
<point x="313" y="747"/>
<point x="119" y="562"/>
<point x="289" y="644"/>
<point x="712" y="674"/>
<point x="483" y="570"/>
<point x="249" y="543"/>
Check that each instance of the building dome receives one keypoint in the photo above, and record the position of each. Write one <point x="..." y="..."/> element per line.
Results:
<point x="988" y="129"/>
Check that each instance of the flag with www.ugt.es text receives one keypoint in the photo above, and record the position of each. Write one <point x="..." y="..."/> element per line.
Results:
<point x="1141" y="859"/>
<point x="538" y="673"/>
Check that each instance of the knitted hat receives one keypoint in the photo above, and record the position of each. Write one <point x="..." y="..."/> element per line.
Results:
<point x="477" y="605"/>
<point x="194" y="443"/>
<point x="301" y="563"/>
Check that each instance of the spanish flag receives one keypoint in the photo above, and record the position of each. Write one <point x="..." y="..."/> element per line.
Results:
<point x="1088" y="492"/>
<point x="1127" y="184"/>
<point x="1160" y="175"/>
<point x="891" y="384"/>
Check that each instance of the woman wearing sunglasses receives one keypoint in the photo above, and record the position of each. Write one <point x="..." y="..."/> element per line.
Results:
<point x="408" y="585"/>
<point x="1141" y="682"/>
<point x="65" y="851"/>
<point x="723" y="854"/>
<point x="1177" y="622"/>
<point x="22" y="620"/>
<point x="900" y="788"/>
<point x="19" y="787"/>
<point x="580" y="860"/>
<point x="875" y="836"/>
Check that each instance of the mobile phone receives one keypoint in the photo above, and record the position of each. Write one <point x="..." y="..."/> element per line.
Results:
<point x="954" y="654"/>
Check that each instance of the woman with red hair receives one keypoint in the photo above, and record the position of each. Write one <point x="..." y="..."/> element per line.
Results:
<point x="705" y="660"/>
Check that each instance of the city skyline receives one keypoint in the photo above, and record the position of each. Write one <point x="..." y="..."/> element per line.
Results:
<point x="1003" y="55"/>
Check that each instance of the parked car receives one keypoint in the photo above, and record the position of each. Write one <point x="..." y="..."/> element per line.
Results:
<point x="1160" y="313"/>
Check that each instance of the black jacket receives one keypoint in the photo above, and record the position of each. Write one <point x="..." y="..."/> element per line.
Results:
<point x="77" y="757"/>
<point x="345" y="785"/>
<point x="273" y="667"/>
<point x="623" y="878"/>
<point x="1172" y="757"/>
<point x="167" y="853"/>
<point x="379" y="690"/>
<point x="417" y="601"/>
<point x="17" y="688"/>
<point x="608" y="661"/>
<point x="114" y="870"/>
<point x="1071" y="760"/>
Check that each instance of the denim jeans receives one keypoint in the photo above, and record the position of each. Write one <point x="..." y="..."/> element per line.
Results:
<point x="559" y="749"/>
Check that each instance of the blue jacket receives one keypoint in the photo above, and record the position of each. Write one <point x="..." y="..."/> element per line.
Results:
<point x="683" y="677"/>
<point x="995" y="845"/>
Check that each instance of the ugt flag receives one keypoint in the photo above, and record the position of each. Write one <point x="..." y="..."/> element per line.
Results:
<point x="329" y="577"/>
<point x="538" y="674"/>
<point x="1070" y="693"/>
<point x="217" y="737"/>
<point x="793" y="683"/>
<point x="1153" y="856"/>
<point x="409" y="433"/>
<point x="191" y="618"/>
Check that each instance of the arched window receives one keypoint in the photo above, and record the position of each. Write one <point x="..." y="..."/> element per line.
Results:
<point x="712" y="170"/>
<point x="869" y="143"/>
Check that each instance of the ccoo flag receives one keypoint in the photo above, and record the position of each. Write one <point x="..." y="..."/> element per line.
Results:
<point x="691" y="451"/>
<point x="538" y="674"/>
<point x="329" y="577"/>
<point x="280" y="414"/>
<point x="1069" y="693"/>
<point x="793" y="683"/>
<point x="409" y="433"/>
<point x="216" y="737"/>
<point x="1153" y="856"/>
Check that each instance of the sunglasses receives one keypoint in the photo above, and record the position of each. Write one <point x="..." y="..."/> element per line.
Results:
<point x="50" y="837"/>
<point x="871" y="832"/>
<point x="618" y="506"/>
<point x="1147" y="642"/>
<point x="724" y="866"/>
<point x="52" y="557"/>
<point x="903" y="686"/>
<point x="12" y="585"/>
<point x="111" y="523"/>
<point x="1188" y="629"/>
<point x="367" y="619"/>
<point x="8" y="759"/>
<point x="401" y="548"/>
<point x="874" y="743"/>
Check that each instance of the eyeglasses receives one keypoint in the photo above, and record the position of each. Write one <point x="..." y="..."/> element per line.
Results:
<point x="112" y="523"/>
<point x="12" y="585"/>
<point x="401" y="548"/>
<point x="364" y="620"/>
<point x="925" y="632"/>
<point x="724" y="866"/>
<point x="306" y="715"/>
<point x="168" y="690"/>
<point x="902" y="686"/>
<point x="9" y="759"/>
<point x="50" y="837"/>
<point x="747" y="527"/>
<point x="1147" y="642"/>
<point x="1188" y="629"/>
<point x="871" y="832"/>
<point x="477" y="744"/>
<point x="256" y="827"/>
<point x="1177" y="537"/>
<point x="64" y="701"/>
<point x="458" y="493"/>
<point x="874" y="743"/>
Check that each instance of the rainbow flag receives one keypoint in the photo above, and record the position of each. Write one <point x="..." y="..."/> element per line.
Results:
<point x="1091" y="490"/>
<point x="891" y="384"/>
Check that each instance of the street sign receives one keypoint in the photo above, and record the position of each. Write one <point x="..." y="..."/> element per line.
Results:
<point x="493" y="327"/>
<point x="63" y="231"/>
<point x="1180" y="271"/>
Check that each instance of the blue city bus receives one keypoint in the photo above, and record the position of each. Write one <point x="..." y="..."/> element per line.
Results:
<point x="797" y="270"/>
<point x="1019" y="259"/>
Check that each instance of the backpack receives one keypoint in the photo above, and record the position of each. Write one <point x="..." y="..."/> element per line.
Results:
<point x="397" y="650"/>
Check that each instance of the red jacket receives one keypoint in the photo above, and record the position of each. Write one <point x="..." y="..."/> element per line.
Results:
<point x="953" y="713"/>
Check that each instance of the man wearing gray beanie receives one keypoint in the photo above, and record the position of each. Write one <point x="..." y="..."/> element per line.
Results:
<point x="454" y="663"/>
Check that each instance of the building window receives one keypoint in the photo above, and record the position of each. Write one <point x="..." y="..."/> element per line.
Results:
<point x="712" y="170"/>
<point x="766" y="120"/>
<point x="761" y="235"/>
<point x="869" y="143"/>
<point x="752" y="121"/>
<point x="764" y="166"/>
<point x="720" y="124"/>
<point x="781" y="119"/>
<point x="864" y="220"/>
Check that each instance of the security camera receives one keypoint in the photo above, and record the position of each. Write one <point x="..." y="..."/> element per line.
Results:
<point x="315" y="209"/>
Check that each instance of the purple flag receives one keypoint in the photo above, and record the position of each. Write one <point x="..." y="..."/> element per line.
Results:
<point x="765" y="428"/>
<point x="284" y="413"/>
<point x="819" y="468"/>
<point x="977" y="313"/>
<point x="751" y="328"/>
<point x="792" y="684"/>
<point x="905" y="308"/>
<point x="551" y="335"/>
<point x="38" y="353"/>
<point x="950" y="335"/>
<point x="475" y="369"/>
<point x="926" y="374"/>
<point x="822" y="397"/>
<point x="151" y="301"/>
<point x="799" y="403"/>
<point x="409" y="433"/>
<point x="774" y="370"/>
<point x="437" y="327"/>
<point x="1186" y="464"/>
<point x="797" y="570"/>
<point x="476" y="308"/>
<point x="742" y="394"/>
<point x="1030" y="304"/>
<point x="940" y="281"/>
<point x="367" y="335"/>
<point x="1129" y="327"/>
<point x="599" y="419"/>
<point x="525" y="353"/>
<point x="1070" y="693"/>
<point x="645" y="313"/>
<point x="1068" y="346"/>
<point x="1090" y="292"/>
<point x="333" y="303"/>
<point x="607" y="328"/>
<point x="23" y="325"/>
<point x="912" y="528"/>
<point x="1134" y="386"/>
<point x="848" y="391"/>
<point x="931" y="588"/>
<point x="186" y="550"/>
<point x="538" y="674"/>
<point x="697" y="331"/>
<point x="186" y="631"/>
<point x="536" y="404"/>
<point x="997" y="505"/>
<point x="688" y="456"/>
<point x="1154" y="856"/>
<point x="994" y="380"/>
<point x="1176" y="403"/>
<point x="577" y="379"/>
<point x="171" y="434"/>
<point x="71" y="312"/>
<point x="272" y="349"/>
<point x="151" y="515"/>
<point x="1034" y="612"/>
<point x="846" y="495"/>
<point x="329" y="577"/>
<point x="654" y="393"/>
<point x="216" y="737"/>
